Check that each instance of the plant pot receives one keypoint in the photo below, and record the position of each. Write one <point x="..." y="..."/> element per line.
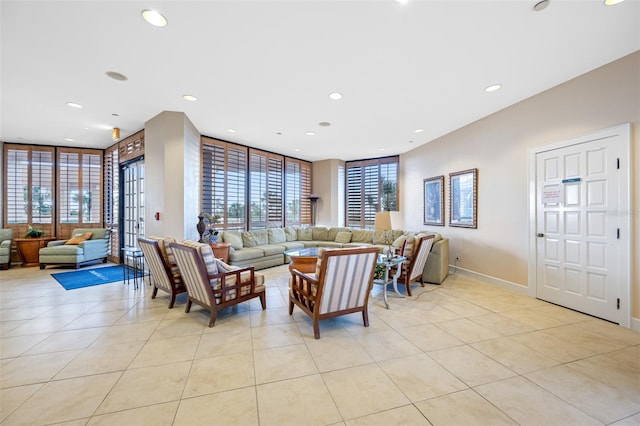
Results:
<point x="29" y="248"/>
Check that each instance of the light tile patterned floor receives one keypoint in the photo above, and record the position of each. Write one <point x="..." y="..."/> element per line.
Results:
<point x="462" y="353"/>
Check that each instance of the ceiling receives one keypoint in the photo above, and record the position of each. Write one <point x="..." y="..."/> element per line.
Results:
<point x="266" y="68"/>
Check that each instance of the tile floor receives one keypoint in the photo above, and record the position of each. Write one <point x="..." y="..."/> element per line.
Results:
<point x="462" y="353"/>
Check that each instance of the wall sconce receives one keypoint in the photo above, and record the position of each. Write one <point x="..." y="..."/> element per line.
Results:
<point x="115" y="134"/>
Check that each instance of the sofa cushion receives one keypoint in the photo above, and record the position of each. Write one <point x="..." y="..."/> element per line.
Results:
<point x="270" y="249"/>
<point x="62" y="250"/>
<point x="305" y="234"/>
<point x="333" y="231"/>
<point x="234" y="238"/>
<point x="291" y="233"/>
<point x="78" y="238"/>
<point x="319" y="233"/>
<point x="343" y="237"/>
<point x="361" y="236"/>
<point x="276" y="235"/>
<point x="256" y="238"/>
<point x="247" y="253"/>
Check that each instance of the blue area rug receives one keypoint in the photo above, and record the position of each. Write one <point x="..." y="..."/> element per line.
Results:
<point x="89" y="277"/>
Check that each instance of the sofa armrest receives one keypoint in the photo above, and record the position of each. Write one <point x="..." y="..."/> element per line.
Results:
<point x="5" y="244"/>
<point x="437" y="267"/>
<point x="94" y="249"/>
<point x="56" y="243"/>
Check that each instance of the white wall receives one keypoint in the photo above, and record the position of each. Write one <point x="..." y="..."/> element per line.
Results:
<point x="497" y="145"/>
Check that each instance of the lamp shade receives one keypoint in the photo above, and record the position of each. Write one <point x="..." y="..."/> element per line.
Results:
<point x="388" y="221"/>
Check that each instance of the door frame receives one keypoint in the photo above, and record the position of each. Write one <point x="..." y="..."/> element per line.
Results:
<point x="624" y="195"/>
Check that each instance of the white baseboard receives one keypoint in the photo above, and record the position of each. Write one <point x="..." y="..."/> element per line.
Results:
<point x="635" y="324"/>
<point x="518" y="288"/>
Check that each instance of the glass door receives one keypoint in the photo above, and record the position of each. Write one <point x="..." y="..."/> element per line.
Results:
<point x="133" y="203"/>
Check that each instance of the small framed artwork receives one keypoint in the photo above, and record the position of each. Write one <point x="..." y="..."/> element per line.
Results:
<point x="463" y="199"/>
<point x="434" y="201"/>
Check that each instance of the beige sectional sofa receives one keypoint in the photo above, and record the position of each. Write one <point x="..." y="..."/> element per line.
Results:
<point x="265" y="248"/>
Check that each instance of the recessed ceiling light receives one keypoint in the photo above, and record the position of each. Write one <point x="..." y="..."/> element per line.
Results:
<point x="116" y="76"/>
<point x="418" y="131"/>
<point x="541" y="5"/>
<point x="154" y="17"/>
<point x="74" y="105"/>
<point x="612" y="2"/>
<point x="310" y="133"/>
<point x="402" y="1"/>
<point x="380" y="149"/>
<point x="231" y="130"/>
<point x="279" y="133"/>
<point x="493" y="88"/>
<point x="69" y="139"/>
<point x="410" y="141"/>
<point x="85" y="128"/>
<point x="335" y="96"/>
<point x="324" y="124"/>
<point x="19" y="138"/>
<point x="296" y="149"/>
<point x="115" y="114"/>
<point x="190" y="98"/>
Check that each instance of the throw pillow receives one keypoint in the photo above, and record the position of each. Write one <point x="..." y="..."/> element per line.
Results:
<point x="234" y="238"/>
<point x="291" y="233"/>
<point x="255" y="238"/>
<point x="277" y="235"/>
<point x="78" y="238"/>
<point x="343" y="237"/>
<point x="399" y="242"/>
<point x="305" y="234"/>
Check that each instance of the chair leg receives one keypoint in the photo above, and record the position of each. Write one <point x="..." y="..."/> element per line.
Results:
<point x="365" y="317"/>
<point x="187" y="307"/>
<point x="212" y="321"/>
<point x="263" y="300"/>
<point x="290" y="307"/>
<point x="155" y="291"/>
<point x="408" y="286"/>
<point x="316" y="328"/>
<point x="173" y="300"/>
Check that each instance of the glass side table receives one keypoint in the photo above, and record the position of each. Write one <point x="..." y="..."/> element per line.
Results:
<point x="388" y="263"/>
<point x="133" y="260"/>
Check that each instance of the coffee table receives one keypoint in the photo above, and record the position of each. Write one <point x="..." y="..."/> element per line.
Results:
<point x="303" y="259"/>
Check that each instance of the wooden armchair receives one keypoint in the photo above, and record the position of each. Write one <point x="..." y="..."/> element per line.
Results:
<point x="416" y="250"/>
<point x="341" y="285"/>
<point x="165" y="275"/>
<point x="211" y="287"/>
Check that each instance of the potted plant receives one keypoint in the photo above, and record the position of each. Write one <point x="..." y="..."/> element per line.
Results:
<point x="212" y="233"/>
<point x="34" y="232"/>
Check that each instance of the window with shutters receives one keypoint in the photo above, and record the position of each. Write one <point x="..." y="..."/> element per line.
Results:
<point x="372" y="186"/>
<point x="297" y="191"/>
<point x="224" y="183"/>
<point x="265" y="189"/>
<point x="29" y="194"/>
<point x="79" y="186"/>
<point x="252" y="189"/>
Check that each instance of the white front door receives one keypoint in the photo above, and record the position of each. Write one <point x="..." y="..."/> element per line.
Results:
<point x="133" y="203"/>
<point x="579" y="252"/>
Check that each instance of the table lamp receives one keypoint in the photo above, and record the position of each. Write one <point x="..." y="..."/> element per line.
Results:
<point x="384" y="222"/>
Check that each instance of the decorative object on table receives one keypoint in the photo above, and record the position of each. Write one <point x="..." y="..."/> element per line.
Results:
<point x="34" y="233"/>
<point x="379" y="272"/>
<point x="212" y="233"/>
<point x="463" y="194"/>
<point x="201" y="226"/>
<point x="385" y="222"/>
<point x="313" y="199"/>
<point x="434" y="201"/>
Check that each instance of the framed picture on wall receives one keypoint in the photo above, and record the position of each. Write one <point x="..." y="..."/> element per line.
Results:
<point x="434" y="201"/>
<point x="463" y="198"/>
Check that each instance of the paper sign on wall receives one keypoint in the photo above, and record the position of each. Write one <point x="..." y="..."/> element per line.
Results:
<point x="552" y="194"/>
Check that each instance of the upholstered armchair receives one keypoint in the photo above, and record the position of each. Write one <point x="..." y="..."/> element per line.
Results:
<point x="77" y="250"/>
<point x="416" y="250"/>
<point x="6" y="237"/>
<point x="165" y="273"/>
<point x="210" y="284"/>
<point x="341" y="285"/>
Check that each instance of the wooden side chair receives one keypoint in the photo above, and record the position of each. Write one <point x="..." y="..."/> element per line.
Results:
<point x="340" y="286"/>
<point x="211" y="287"/>
<point x="165" y="275"/>
<point x="416" y="250"/>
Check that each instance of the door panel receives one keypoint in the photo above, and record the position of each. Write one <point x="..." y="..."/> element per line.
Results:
<point x="576" y="254"/>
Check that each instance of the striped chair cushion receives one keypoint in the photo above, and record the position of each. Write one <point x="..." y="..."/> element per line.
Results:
<point x="192" y="278"/>
<point x="421" y="259"/>
<point x="206" y="252"/>
<point x="354" y="268"/>
<point x="154" y="262"/>
<point x="163" y="243"/>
